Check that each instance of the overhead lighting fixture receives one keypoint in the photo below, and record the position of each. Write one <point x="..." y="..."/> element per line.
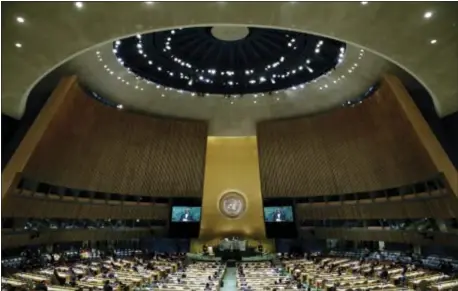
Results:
<point x="18" y="45"/>
<point x="79" y="4"/>
<point x="20" y="19"/>
<point x="149" y="2"/>
<point x="364" y="2"/>
<point x="428" y="14"/>
<point x="433" y="41"/>
<point x="120" y="106"/>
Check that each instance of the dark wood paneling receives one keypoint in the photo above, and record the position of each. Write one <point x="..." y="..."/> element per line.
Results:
<point x="15" y="239"/>
<point x="437" y="207"/>
<point x="400" y="236"/>
<point x="368" y="147"/>
<point x="28" y="207"/>
<point x="94" y="147"/>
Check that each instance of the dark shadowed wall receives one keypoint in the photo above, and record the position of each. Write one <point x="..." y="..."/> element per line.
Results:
<point x="90" y="146"/>
<point x="368" y="147"/>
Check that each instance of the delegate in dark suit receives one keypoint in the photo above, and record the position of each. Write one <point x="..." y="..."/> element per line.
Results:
<point x="186" y="216"/>
<point x="278" y="216"/>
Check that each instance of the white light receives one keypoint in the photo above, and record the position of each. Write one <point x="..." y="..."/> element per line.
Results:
<point x="115" y="51"/>
<point x="118" y="42"/>
<point x="317" y="51"/>
<point x="262" y="79"/>
<point x="307" y="62"/>
<point x="433" y="41"/>
<point x="139" y="36"/>
<point x="150" y="62"/>
<point x="120" y="106"/>
<point x="172" y="32"/>
<point x="325" y="85"/>
<point x="149" y="2"/>
<point x="20" y="19"/>
<point x="364" y="2"/>
<point x="282" y="59"/>
<point x="79" y="4"/>
<point x="162" y="95"/>
<point x="321" y="88"/>
<point x="254" y="101"/>
<point x="428" y="14"/>
<point x="252" y="81"/>
<point x="18" y="45"/>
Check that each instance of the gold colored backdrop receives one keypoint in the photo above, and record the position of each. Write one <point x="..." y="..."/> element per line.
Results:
<point x="232" y="165"/>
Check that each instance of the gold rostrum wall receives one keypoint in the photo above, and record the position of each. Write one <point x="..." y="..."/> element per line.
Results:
<point x="232" y="165"/>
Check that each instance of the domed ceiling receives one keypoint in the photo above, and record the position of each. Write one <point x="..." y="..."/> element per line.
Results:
<point x="229" y="60"/>
<point x="253" y="74"/>
<point x="420" y="37"/>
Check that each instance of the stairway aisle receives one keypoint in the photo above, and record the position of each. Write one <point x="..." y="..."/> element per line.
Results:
<point x="230" y="279"/>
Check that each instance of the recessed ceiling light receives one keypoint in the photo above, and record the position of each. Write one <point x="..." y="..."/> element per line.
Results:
<point x="79" y="4"/>
<point x="20" y="19"/>
<point x="428" y="14"/>
<point x="254" y="101"/>
<point x="433" y="41"/>
<point x="149" y="2"/>
<point x="364" y="2"/>
<point x="18" y="45"/>
<point x="119" y="106"/>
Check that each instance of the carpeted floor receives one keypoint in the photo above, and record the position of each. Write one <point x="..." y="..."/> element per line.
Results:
<point x="230" y="279"/>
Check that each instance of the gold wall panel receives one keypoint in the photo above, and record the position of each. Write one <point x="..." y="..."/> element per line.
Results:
<point x="232" y="165"/>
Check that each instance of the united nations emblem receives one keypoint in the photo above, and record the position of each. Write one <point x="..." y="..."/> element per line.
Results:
<point x="232" y="204"/>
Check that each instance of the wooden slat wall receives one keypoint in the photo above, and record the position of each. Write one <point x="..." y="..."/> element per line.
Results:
<point x="94" y="147"/>
<point x="14" y="239"/>
<point x="437" y="207"/>
<point x="28" y="207"/>
<point x="368" y="147"/>
<point x="400" y="236"/>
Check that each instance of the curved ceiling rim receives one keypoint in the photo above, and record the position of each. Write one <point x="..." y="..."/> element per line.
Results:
<point x="282" y="6"/>
<point x="111" y="40"/>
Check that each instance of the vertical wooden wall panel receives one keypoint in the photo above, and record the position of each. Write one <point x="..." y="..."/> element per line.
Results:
<point x="368" y="147"/>
<point x="94" y="147"/>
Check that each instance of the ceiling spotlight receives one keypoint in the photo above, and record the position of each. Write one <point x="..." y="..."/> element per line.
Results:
<point x="364" y="2"/>
<point x="428" y="14"/>
<point x="20" y="19"/>
<point x="18" y="45"/>
<point x="149" y="2"/>
<point x="433" y="41"/>
<point x="79" y="4"/>
<point x="162" y="95"/>
<point x="120" y="106"/>
<point x="254" y="101"/>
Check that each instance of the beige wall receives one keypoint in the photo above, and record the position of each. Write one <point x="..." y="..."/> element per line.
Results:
<point x="232" y="164"/>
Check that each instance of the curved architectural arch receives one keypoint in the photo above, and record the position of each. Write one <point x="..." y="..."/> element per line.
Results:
<point x="53" y="32"/>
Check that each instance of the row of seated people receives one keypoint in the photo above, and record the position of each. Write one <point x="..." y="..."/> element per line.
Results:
<point x="110" y="274"/>
<point x="264" y="276"/>
<point x="344" y="274"/>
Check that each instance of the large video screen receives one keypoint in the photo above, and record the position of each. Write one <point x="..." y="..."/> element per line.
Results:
<point x="278" y="214"/>
<point x="185" y="214"/>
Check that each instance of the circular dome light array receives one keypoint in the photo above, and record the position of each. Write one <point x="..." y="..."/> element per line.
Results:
<point x="192" y="60"/>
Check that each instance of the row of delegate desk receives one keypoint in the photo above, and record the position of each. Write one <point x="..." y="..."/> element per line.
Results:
<point x="355" y="275"/>
<point x="122" y="271"/>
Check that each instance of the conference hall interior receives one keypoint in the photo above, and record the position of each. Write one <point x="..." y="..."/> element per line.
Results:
<point x="229" y="146"/>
